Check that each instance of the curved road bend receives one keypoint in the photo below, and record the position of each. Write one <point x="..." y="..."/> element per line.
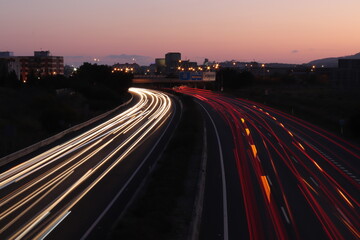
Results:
<point x="65" y="192"/>
<point x="273" y="176"/>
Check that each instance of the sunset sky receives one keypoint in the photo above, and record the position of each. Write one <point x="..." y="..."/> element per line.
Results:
<point x="263" y="30"/>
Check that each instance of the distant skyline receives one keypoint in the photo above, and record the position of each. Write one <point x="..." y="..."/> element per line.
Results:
<point x="286" y="31"/>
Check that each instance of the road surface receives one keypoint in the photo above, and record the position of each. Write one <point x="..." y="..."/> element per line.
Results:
<point x="273" y="176"/>
<point x="70" y="190"/>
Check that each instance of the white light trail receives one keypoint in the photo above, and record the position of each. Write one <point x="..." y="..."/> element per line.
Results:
<point x="47" y="182"/>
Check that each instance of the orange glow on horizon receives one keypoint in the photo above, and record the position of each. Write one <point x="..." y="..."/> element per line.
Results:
<point x="264" y="31"/>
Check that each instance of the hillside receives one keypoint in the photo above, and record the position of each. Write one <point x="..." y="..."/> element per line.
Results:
<point x="333" y="61"/>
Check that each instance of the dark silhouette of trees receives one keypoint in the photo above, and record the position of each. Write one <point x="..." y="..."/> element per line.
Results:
<point x="55" y="82"/>
<point x="103" y="87"/>
<point x="234" y="79"/>
<point x="94" y="75"/>
<point x="354" y="124"/>
<point x="8" y="79"/>
<point x="45" y="105"/>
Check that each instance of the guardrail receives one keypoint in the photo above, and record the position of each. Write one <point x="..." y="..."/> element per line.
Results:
<point x="23" y="152"/>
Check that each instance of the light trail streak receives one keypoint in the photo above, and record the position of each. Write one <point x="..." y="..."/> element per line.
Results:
<point x="291" y="151"/>
<point x="346" y="199"/>
<point x="29" y="226"/>
<point x="266" y="186"/>
<point x="60" y="177"/>
<point x="253" y="148"/>
<point x="56" y="223"/>
<point x="31" y="206"/>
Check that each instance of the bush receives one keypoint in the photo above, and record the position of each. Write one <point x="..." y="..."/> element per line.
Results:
<point x="354" y="125"/>
<point x="232" y="78"/>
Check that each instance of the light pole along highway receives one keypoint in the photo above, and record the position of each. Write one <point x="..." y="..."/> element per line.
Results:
<point x="272" y="176"/>
<point x="64" y="192"/>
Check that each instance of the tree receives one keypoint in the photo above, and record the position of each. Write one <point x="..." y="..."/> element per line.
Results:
<point x="8" y="78"/>
<point x="232" y="78"/>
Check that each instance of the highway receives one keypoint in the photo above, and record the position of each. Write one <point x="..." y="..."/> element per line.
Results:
<point x="72" y="189"/>
<point x="270" y="175"/>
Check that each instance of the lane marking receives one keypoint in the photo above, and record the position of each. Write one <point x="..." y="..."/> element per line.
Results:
<point x="56" y="224"/>
<point x="347" y="172"/>
<point x="294" y="159"/>
<point x="266" y="186"/>
<point x="286" y="217"/>
<point x="268" y="178"/>
<point x="314" y="181"/>
<point x="225" y="215"/>
<point x="254" y="150"/>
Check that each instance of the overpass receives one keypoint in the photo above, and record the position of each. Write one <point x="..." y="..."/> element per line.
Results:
<point x="159" y="81"/>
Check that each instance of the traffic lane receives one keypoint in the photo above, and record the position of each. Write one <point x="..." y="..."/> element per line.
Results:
<point x="80" y="171"/>
<point x="119" y="207"/>
<point x="334" y="146"/>
<point x="326" y="153"/>
<point x="297" y="144"/>
<point x="24" y="169"/>
<point x="264" y="218"/>
<point x="214" y="213"/>
<point x="333" y="166"/>
<point x="56" y="152"/>
<point x="284" y="199"/>
<point x="47" y="197"/>
<point x="140" y="157"/>
<point x="312" y="177"/>
<point x="104" y="193"/>
<point x="328" y="225"/>
<point x="252" y="216"/>
<point x="212" y="219"/>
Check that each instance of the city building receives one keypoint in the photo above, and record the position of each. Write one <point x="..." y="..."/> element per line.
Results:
<point x="12" y="63"/>
<point x="127" y="67"/>
<point x="40" y="65"/>
<point x="172" y="60"/>
<point x="186" y="65"/>
<point x="160" y="66"/>
<point x="6" y="54"/>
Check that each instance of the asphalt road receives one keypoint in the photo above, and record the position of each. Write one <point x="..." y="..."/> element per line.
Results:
<point x="76" y="189"/>
<point x="273" y="176"/>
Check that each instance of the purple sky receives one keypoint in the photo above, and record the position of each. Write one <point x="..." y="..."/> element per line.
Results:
<point x="263" y="30"/>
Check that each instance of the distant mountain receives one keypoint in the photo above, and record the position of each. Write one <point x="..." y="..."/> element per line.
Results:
<point x="332" y="62"/>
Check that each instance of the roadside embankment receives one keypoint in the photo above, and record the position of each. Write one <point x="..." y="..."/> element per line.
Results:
<point x="20" y="153"/>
